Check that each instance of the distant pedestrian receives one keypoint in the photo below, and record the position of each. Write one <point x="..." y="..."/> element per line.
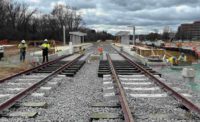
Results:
<point x="22" y="47"/>
<point x="45" y="50"/>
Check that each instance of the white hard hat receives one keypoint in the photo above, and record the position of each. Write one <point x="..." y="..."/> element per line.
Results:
<point x="46" y="40"/>
<point x="23" y="41"/>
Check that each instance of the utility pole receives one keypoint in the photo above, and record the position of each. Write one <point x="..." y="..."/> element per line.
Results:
<point x="134" y="35"/>
<point x="134" y="43"/>
<point x="64" y="38"/>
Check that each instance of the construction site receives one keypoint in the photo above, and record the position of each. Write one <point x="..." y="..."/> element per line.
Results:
<point x="54" y="68"/>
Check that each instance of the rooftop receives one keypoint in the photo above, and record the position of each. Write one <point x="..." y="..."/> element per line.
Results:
<point x="78" y="33"/>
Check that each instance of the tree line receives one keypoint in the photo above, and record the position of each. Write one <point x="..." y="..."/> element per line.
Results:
<point x="18" y="21"/>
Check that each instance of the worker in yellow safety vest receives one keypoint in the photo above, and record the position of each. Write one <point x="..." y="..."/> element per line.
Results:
<point x="22" y="47"/>
<point x="45" y="50"/>
<point x="182" y="58"/>
<point x="173" y="60"/>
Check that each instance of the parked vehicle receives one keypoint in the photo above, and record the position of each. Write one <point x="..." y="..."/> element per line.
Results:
<point x="159" y="43"/>
<point x="149" y="43"/>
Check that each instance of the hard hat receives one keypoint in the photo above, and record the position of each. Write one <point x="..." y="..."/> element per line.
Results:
<point x="23" y="41"/>
<point x="46" y="40"/>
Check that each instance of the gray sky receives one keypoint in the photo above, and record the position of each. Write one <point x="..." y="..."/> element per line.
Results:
<point x="116" y="15"/>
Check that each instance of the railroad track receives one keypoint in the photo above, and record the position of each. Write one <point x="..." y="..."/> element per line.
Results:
<point x="16" y="87"/>
<point x="134" y="92"/>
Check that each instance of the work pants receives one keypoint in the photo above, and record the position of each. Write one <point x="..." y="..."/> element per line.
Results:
<point x="22" y="56"/>
<point x="45" y="57"/>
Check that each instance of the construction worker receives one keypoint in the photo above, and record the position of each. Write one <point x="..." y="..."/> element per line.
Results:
<point x="22" y="47"/>
<point x="182" y="58"/>
<point x="100" y="50"/>
<point x="45" y="50"/>
<point x="172" y="60"/>
<point x="81" y="50"/>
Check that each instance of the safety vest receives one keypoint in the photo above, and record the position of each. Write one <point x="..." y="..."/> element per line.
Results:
<point x="22" y="47"/>
<point x="45" y="45"/>
<point x="45" y="48"/>
<point x="172" y="61"/>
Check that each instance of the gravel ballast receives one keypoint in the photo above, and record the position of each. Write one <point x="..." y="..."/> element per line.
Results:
<point x="72" y="100"/>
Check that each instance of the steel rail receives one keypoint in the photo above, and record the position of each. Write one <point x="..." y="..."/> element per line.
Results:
<point x="180" y="98"/>
<point x="10" y="102"/>
<point x="122" y="97"/>
<point x="33" y="69"/>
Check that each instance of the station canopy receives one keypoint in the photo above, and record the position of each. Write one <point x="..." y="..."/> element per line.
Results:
<point x="77" y="37"/>
<point x="123" y="33"/>
<point x="78" y="33"/>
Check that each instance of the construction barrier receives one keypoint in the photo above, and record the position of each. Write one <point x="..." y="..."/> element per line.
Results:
<point x="3" y="42"/>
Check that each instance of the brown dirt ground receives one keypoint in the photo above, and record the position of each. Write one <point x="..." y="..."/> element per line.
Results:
<point x="8" y="71"/>
<point x="5" y="70"/>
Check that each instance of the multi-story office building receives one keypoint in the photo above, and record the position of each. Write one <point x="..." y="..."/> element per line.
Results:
<point x="189" y="31"/>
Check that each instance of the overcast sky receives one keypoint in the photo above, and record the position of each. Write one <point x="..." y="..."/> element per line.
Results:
<point x="116" y="15"/>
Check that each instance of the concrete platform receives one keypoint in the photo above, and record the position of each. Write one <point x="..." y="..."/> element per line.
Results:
<point x="60" y="51"/>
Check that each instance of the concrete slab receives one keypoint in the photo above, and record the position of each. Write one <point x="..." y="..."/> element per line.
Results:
<point x="108" y="82"/>
<point x="105" y="116"/>
<point x="27" y="114"/>
<point x="52" y="83"/>
<point x="4" y="95"/>
<point x="142" y="89"/>
<point x="108" y="88"/>
<point x="137" y="83"/>
<point x="61" y="76"/>
<point x="106" y="76"/>
<point x="134" y="79"/>
<point x="38" y="94"/>
<point x="14" y="89"/>
<point x="19" y="84"/>
<point x="186" y="95"/>
<point x="45" y="88"/>
<point x="107" y="79"/>
<point x="131" y="76"/>
<point x="27" y="79"/>
<point x="109" y="94"/>
<point x="34" y="104"/>
<point x="103" y="104"/>
<point x="148" y="95"/>
<point x="57" y="79"/>
<point x="34" y="76"/>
